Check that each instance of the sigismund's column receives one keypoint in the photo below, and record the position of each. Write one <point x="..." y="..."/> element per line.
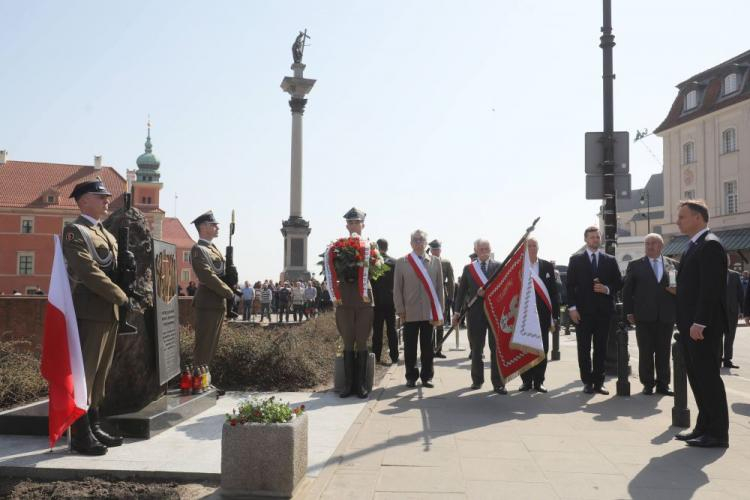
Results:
<point x="296" y="229"/>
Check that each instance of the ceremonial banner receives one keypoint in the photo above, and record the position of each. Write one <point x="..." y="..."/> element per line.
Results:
<point x="510" y="306"/>
<point x="62" y="362"/>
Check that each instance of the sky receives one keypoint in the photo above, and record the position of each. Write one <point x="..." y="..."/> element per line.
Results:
<point x="463" y="119"/>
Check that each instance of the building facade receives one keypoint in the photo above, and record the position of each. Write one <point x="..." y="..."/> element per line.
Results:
<point x="35" y="205"/>
<point x="706" y="143"/>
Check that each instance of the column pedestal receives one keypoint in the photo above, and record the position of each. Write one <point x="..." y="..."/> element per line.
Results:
<point x="295" y="231"/>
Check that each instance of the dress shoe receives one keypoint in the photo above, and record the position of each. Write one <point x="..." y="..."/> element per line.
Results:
<point x="411" y="383"/>
<point x="476" y="386"/>
<point x="440" y="355"/>
<point x="540" y="388"/>
<point x="500" y="390"/>
<point x="601" y="390"/>
<point x="647" y="390"/>
<point x="588" y="388"/>
<point x="706" y="441"/>
<point x="665" y="390"/>
<point x="82" y="440"/>
<point x="729" y="364"/>
<point x="103" y="437"/>
<point x="686" y="436"/>
<point x="526" y="386"/>
<point x="428" y="384"/>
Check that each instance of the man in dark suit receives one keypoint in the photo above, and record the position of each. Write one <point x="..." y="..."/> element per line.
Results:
<point x="593" y="281"/>
<point x="735" y="303"/>
<point x="650" y="305"/>
<point x="385" y="311"/>
<point x="701" y="318"/>
<point x="474" y="276"/>
<point x="548" y="308"/>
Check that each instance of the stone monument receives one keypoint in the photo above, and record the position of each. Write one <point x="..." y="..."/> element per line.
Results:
<point x="296" y="229"/>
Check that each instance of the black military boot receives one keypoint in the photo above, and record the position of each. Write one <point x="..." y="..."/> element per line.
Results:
<point x="96" y="429"/>
<point x="361" y="371"/>
<point x="348" y="374"/>
<point x="82" y="440"/>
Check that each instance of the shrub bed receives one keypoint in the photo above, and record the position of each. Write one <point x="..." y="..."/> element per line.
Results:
<point x="271" y="358"/>
<point x="20" y="379"/>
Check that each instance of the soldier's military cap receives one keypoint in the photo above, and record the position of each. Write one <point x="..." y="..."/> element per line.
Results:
<point x="355" y="214"/>
<point x="435" y="244"/>
<point x="205" y="217"/>
<point x="96" y="187"/>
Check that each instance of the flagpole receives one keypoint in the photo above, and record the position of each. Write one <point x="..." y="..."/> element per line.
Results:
<point x="465" y="309"/>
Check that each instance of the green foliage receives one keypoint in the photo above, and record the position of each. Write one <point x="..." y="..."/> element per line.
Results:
<point x="264" y="411"/>
<point x="20" y="377"/>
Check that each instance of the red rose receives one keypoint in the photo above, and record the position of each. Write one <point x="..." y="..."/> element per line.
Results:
<point x="303" y="407"/>
<point x="233" y="422"/>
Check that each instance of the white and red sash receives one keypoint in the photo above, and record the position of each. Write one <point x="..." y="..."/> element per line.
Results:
<point x="475" y="269"/>
<point x="363" y="272"/>
<point x="424" y="277"/>
<point x="541" y="291"/>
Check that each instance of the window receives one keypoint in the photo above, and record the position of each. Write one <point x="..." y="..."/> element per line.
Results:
<point x="730" y="197"/>
<point x="688" y="153"/>
<point x="730" y="84"/>
<point x="185" y="275"/>
<point x="27" y="225"/>
<point x="185" y="256"/>
<point x="50" y="199"/>
<point x="691" y="100"/>
<point x="148" y="200"/>
<point x="728" y="141"/>
<point x="690" y="195"/>
<point x="26" y="263"/>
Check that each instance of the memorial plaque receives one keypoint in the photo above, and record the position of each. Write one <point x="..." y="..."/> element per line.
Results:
<point x="166" y="310"/>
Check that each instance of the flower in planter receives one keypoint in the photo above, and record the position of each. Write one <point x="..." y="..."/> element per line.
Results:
<point x="264" y="411"/>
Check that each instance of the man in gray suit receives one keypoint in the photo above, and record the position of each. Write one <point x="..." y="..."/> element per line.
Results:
<point x="650" y="304"/>
<point x="735" y="302"/>
<point x="474" y="276"/>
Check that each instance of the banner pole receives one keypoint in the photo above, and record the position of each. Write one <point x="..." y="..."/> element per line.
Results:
<point x="465" y="309"/>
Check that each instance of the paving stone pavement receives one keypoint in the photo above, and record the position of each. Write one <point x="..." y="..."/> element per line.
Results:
<point x="453" y="442"/>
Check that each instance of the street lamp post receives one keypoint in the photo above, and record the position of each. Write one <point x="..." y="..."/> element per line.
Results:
<point x="645" y="200"/>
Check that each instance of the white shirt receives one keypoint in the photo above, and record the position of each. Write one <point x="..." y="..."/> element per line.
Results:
<point x="699" y="234"/>
<point x="90" y="219"/>
<point x="535" y="268"/>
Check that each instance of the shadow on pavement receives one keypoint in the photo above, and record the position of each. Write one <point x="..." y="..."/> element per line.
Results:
<point x="678" y="473"/>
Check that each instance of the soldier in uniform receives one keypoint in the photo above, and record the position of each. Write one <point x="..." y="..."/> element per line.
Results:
<point x="449" y="285"/>
<point x="210" y="300"/>
<point x="91" y="256"/>
<point x="353" y="320"/>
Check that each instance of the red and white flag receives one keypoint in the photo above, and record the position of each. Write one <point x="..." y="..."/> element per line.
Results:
<point x="510" y="306"/>
<point x="62" y="361"/>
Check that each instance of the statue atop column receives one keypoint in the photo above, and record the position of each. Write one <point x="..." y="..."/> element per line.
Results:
<point x="298" y="47"/>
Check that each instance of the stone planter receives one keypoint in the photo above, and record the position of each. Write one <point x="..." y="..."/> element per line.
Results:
<point x="263" y="459"/>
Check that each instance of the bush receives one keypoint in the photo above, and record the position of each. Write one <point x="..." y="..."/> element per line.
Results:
<point x="20" y="377"/>
<point x="264" y="411"/>
<point x="271" y="358"/>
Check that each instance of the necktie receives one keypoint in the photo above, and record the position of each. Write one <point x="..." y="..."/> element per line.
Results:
<point x="594" y="267"/>
<point x="483" y="265"/>
<point x="655" y="266"/>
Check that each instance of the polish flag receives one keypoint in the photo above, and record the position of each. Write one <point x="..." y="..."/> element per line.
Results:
<point x="62" y="361"/>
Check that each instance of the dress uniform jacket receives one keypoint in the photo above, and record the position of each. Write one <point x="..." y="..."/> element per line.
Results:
<point x="209" y="302"/>
<point x="95" y="297"/>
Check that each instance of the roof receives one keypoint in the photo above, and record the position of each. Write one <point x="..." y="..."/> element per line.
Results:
<point x="709" y="86"/>
<point x="23" y="183"/>
<point x="732" y="239"/>
<point x="174" y="232"/>
<point x="645" y="215"/>
<point x="655" y="188"/>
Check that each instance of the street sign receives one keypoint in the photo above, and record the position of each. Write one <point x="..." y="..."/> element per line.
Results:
<point x="595" y="153"/>
<point x="595" y="187"/>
